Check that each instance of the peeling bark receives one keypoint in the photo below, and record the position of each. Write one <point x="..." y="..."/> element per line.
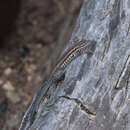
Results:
<point x="95" y="93"/>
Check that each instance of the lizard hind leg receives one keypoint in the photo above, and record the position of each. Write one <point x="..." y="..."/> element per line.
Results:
<point x="59" y="76"/>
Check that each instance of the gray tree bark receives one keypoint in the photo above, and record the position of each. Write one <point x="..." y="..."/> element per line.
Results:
<point x="99" y="83"/>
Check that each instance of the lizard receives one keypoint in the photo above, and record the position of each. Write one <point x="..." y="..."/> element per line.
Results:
<point x="57" y="75"/>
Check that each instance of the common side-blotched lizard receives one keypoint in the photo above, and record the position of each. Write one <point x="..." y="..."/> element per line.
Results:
<point x="84" y="46"/>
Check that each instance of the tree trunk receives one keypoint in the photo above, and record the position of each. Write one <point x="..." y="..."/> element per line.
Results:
<point x="95" y="93"/>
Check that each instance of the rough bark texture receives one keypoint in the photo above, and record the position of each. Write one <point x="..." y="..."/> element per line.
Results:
<point x="99" y="83"/>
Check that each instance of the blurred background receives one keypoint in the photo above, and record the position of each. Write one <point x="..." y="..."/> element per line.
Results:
<point x="33" y="33"/>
